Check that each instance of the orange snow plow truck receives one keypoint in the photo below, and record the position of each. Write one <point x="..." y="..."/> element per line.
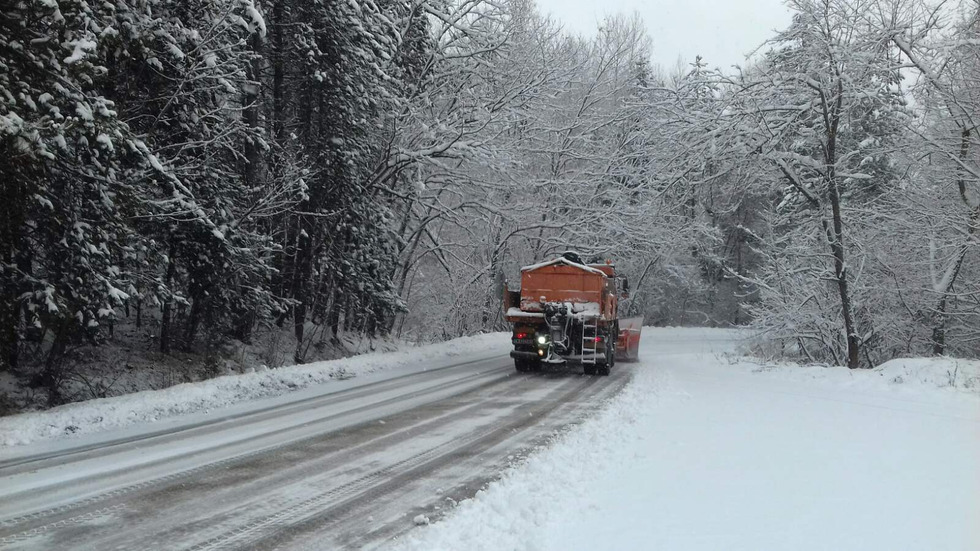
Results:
<point x="567" y="312"/>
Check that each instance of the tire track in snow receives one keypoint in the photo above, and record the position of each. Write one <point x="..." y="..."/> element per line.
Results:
<point x="331" y="476"/>
<point x="494" y="376"/>
<point x="20" y="464"/>
<point x="315" y="510"/>
<point x="320" y="474"/>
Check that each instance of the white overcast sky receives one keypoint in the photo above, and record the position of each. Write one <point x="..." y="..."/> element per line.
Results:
<point x="721" y="31"/>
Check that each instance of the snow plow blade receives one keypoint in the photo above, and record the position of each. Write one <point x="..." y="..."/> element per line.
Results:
<point x="628" y="342"/>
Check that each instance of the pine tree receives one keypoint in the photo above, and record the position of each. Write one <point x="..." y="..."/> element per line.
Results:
<point x="66" y="187"/>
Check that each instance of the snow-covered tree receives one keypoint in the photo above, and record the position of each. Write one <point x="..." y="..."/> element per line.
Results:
<point x="67" y="189"/>
<point x="824" y="108"/>
<point x="945" y="197"/>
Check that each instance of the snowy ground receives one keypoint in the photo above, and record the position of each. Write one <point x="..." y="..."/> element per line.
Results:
<point x="192" y="402"/>
<point x="702" y="452"/>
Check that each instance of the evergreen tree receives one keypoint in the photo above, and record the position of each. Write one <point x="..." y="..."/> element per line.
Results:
<point x="67" y="187"/>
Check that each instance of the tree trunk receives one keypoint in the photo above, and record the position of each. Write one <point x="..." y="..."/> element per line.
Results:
<point x="253" y="152"/>
<point x="193" y="320"/>
<point x="840" y="275"/>
<point x="939" y="329"/>
<point x="941" y="315"/>
<point x="333" y="316"/>
<point x="278" y="71"/>
<point x="53" y="367"/>
<point x="301" y="276"/>
<point x="836" y="236"/>
<point x="165" y="321"/>
<point x="496" y="288"/>
<point x="12" y="245"/>
<point x="9" y="313"/>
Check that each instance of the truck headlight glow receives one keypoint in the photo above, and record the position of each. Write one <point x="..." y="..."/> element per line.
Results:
<point x="542" y="339"/>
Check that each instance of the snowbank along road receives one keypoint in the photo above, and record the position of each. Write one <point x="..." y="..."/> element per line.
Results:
<point x="346" y="469"/>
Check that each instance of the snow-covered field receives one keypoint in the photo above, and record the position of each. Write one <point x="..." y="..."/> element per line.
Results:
<point x="706" y="452"/>
<point x="189" y="402"/>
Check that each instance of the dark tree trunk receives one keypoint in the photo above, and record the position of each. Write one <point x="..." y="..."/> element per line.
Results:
<point x="253" y="151"/>
<point x="939" y="329"/>
<point x="333" y="316"/>
<point x="300" y="291"/>
<point x="941" y="315"/>
<point x="53" y="366"/>
<point x="12" y="246"/>
<point x="9" y="320"/>
<point x="835" y="235"/>
<point x="165" y="318"/>
<point x="278" y="70"/>
<point x="193" y="321"/>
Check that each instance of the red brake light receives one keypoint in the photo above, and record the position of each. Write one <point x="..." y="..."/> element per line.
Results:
<point x="521" y="335"/>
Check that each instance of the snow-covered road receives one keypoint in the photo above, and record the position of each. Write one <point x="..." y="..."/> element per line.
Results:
<point x="704" y="453"/>
<point x="346" y="468"/>
<point x="688" y="449"/>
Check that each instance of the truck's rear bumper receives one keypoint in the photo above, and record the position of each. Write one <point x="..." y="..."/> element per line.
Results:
<point x="524" y="355"/>
<point x="574" y="359"/>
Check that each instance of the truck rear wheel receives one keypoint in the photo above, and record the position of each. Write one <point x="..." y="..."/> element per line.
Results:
<point x="604" y="368"/>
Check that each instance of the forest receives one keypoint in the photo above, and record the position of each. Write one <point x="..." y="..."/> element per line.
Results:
<point x="201" y="173"/>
